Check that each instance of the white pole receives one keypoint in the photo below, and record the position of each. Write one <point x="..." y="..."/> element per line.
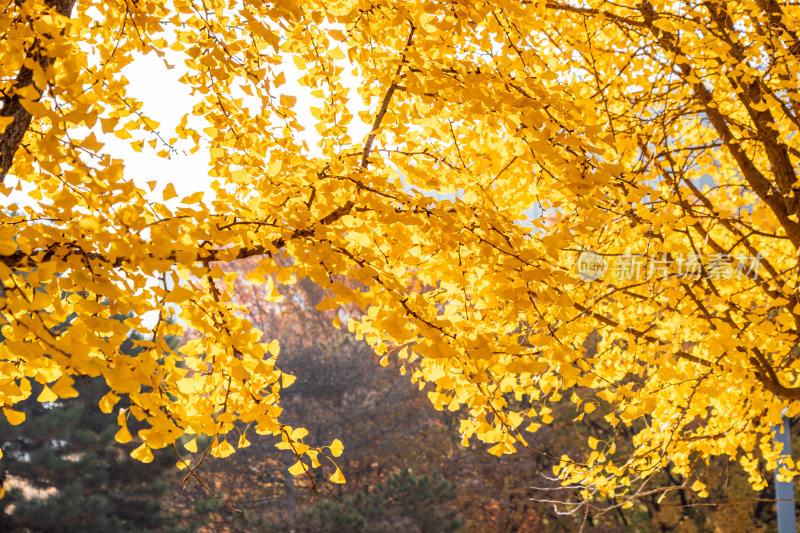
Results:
<point x="784" y="490"/>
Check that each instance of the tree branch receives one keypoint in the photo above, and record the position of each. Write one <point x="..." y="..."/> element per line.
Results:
<point x="12" y="107"/>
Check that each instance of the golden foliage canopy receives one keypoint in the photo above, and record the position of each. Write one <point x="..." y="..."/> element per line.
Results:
<point x="505" y="138"/>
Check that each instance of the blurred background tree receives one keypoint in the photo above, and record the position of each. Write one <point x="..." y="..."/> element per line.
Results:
<point x="403" y="502"/>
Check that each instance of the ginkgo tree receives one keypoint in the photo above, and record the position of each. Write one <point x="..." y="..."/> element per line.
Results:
<point x="513" y="147"/>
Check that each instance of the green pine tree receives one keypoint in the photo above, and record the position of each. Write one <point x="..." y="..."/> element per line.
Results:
<point x="66" y="473"/>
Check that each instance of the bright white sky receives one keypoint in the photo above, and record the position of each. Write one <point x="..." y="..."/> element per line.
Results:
<point x="165" y="99"/>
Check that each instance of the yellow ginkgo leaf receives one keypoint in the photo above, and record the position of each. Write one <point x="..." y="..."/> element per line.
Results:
<point x="47" y="395"/>
<point x="191" y="445"/>
<point x="297" y="468"/>
<point x="169" y="192"/>
<point x="143" y="453"/>
<point x="14" y="417"/>
<point x="336" y="448"/>
<point x="108" y="402"/>
<point x="337" y="476"/>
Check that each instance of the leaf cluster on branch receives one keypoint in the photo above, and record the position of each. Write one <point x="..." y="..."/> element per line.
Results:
<point x="505" y="138"/>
